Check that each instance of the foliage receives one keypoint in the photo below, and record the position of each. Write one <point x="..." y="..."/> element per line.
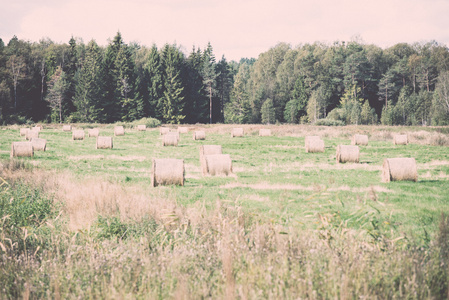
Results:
<point x="329" y="122"/>
<point x="268" y="113"/>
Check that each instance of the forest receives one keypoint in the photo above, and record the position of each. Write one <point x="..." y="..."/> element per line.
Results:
<point x="328" y="84"/>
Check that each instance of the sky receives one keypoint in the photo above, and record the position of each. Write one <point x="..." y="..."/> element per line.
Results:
<point x="235" y="28"/>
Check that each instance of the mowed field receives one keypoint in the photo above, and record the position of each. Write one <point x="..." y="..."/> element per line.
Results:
<point x="286" y="224"/>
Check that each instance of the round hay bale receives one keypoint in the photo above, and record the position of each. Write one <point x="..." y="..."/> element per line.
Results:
<point x="31" y="134"/>
<point x="23" y="131"/>
<point x="237" y="132"/>
<point x="346" y="153"/>
<point x="142" y="127"/>
<point x="313" y="144"/>
<point x="359" y="139"/>
<point x="104" y="142"/>
<point x="168" y="172"/>
<point x="170" y="140"/>
<point x="400" y="139"/>
<point x="208" y="150"/>
<point x="264" y="132"/>
<point x="183" y="129"/>
<point x="37" y="128"/>
<point x="199" y="135"/>
<point x="66" y="128"/>
<point x="22" y="149"/>
<point x="164" y="130"/>
<point x="218" y="164"/>
<point x="399" y="169"/>
<point x="78" y="134"/>
<point x="93" y="132"/>
<point x="119" y="130"/>
<point x="39" y="144"/>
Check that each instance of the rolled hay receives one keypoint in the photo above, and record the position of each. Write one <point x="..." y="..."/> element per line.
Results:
<point x="78" y="134"/>
<point x="346" y="153"/>
<point x="359" y="139"/>
<point x="22" y="149"/>
<point x="183" y="129"/>
<point x="168" y="171"/>
<point x="31" y="134"/>
<point x="399" y="169"/>
<point x="199" y="135"/>
<point x="23" y="131"/>
<point x="142" y="127"/>
<point x="218" y="165"/>
<point x="164" y="130"/>
<point x="237" y="132"/>
<point x="208" y="150"/>
<point x="37" y="128"/>
<point x="39" y="144"/>
<point x="104" y="142"/>
<point x="400" y="139"/>
<point x="313" y="144"/>
<point x="119" y="130"/>
<point x="66" y="127"/>
<point x="264" y="132"/>
<point x="170" y="140"/>
<point x="93" y="132"/>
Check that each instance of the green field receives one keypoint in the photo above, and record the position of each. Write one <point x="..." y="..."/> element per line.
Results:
<point x="288" y="224"/>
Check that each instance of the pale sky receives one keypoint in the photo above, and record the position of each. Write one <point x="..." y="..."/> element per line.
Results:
<point x="235" y="28"/>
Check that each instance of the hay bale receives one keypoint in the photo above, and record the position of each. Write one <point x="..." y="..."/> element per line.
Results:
<point x="237" y="132"/>
<point x="359" y="139"/>
<point x="208" y="150"/>
<point x="66" y="127"/>
<point x="400" y="139"/>
<point x="93" y="132"/>
<point x="78" y="134"/>
<point x="399" y="169"/>
<point x="39" y="144"/>
<point x="142" y="127"/>
<point x="31" y="134"/>
<point x="22" y="149"/>
<point x="346" y="153"/>
<point x="37" y="128"/>
<point x="218" y="164"/>
<point x="199" y="135"/>
<point x="313" y="144"/>
<point x="264" y="132"/>
<point x="104" y="142"/>
<point x="119" y="130"/>
<point x="164" y="130"/>
<point x="183" y="129"/>
<point x="23" y="131"/>
<point x="168" y="172"/>
<point x="170" y="140"/>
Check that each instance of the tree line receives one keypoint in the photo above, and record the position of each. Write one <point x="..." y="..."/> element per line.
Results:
<point x="341" y="83"/>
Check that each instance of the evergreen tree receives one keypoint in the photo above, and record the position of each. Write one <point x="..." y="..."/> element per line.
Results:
<point x="155" y="84"/>
<point x="209" y="75"/>
<point x="296" y="107"/>
<point x="56" y="91"/>
<point x="196" y="98"/>
<point x="268" y="113"/>
<point x="224" y="85"/>
<point x="70" y="69"/>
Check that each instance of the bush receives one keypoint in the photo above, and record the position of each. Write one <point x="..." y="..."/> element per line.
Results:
<point x="329" y="122"/>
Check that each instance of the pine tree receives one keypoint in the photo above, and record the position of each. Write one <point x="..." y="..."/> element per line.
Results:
<point x="268" y="112"/>
<point x="209" y="74"/>
<point x="56" y="90"/>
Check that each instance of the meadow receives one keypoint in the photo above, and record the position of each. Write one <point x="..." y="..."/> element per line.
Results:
<point x="77" y="222"/>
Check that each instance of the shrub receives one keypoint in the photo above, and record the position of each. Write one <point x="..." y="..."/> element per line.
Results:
<point x="329" y="122"/>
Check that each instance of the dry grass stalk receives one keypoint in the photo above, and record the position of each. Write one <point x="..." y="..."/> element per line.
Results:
<point x="400" y="139"/>
<point x="30" y="134"/>
<point x="164" y="130"/>
<point x="39" y="144"/>
<point x="264" y="132"/>
<point x="22" y="149"/>
<point x="314" y="143"/>
<point x="119" y="130"/>
<point x="399" y="169"/>
<point x="78" y="134"/>
<point x="93" y="132"/>
<point x="346" y="153"/>
<point x="199" y="135"/>
<point x="170" y="140"/>
<point x="208" y="150"/>
<point x="104" y="142"/>
<point x="183" y="129"/>
<point x="23" y="131"/>
<point x="218" y="164"/>
<point x="359" y="139"/>
<point x="142" y="127"/>
<point x="237" y="132"/>
<point x="66" y="128"/>
<point x="168" y="171"/>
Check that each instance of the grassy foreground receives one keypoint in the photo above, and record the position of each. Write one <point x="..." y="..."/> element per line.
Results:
<point x="83" y="223"/>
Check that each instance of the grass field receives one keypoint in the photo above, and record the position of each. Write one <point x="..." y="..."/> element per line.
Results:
<point x="84" y="223"/>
